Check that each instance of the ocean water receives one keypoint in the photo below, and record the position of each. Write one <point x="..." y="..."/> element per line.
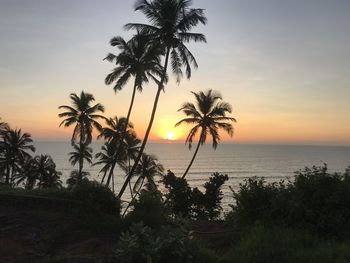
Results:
<point x="273" y="162"/>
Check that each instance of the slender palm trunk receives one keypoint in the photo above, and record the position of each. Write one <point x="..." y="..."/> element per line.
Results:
<point x="7" y="180"/>
<point x="123" y="134"/>
<point x="144" y="142"/>
<point x="193" y="157"/>
<point x="81" y="160"/>
<point x="134" y="197"/>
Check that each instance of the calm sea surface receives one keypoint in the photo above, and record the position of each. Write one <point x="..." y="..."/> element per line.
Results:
<point x="274" y="162"/>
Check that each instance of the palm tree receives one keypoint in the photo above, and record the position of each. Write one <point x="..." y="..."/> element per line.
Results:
<point x="81" y="152"/>
<point x="208" y="116"/>
<point x="138" y="59"/>
<point x="28" y="174"/>
<point x="84" y="116"/>
<point x="15" y="150"/>
<point x="3" y="128"/>
<point x="48" y="176"/>
<point x="147" y="169"/>
<point x="171" y="22"/>
<point x="41" y="168"/>
<point x="118" y="133"/>
<point x="74" y="177"/>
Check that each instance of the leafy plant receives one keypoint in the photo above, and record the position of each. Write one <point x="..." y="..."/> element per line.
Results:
<point x="166" y="245"/>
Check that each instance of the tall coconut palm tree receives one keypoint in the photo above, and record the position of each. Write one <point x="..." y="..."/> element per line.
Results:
<point x="84" y="116"/>
<point x="81" y="152"/>
<point x="15" y="149"/>
<point x="208" y="115"/>
<point x="138" y="58"/>
<point x="171" y="22"/>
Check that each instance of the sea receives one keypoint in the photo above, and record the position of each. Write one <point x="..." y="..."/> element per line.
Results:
<point x="239" y="161"/>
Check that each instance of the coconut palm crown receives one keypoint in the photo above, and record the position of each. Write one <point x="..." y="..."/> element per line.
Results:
<point x="83" y="115"/>
<point x="208" y="115"/>
<point x="171" y="21"/>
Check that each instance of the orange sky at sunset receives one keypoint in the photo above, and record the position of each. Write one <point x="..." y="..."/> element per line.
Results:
<point x="284" y="67"/>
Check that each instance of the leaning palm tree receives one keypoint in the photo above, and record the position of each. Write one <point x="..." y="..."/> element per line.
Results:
<point x="81" y="153"/>
<point x="208" y="116"/>
<point x="15" y="150"/>
<point x="171" y="22"/>
<point x="83" y="115"/>
<point x="138" y="58"/>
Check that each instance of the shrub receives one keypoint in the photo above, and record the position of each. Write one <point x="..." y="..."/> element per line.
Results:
<point x="192" y="203"/>
<point x="149" y="209"/>
<point x="93" y="194"/>
<point x="315" y="200"/>
<point x="143" y="244"/>
<point x="280" y="245"/>
<point x="179" y="194"/>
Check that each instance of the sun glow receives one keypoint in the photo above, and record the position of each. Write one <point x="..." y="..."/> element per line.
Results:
<point x="170" y="136"/>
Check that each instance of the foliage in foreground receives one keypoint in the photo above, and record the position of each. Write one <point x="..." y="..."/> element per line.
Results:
<point x="166" y="244"/>
<point x="280" y="245"/>
<point x="86" y="196"/>
<point x="182" y="200"/>
<point x="315" y="200"/>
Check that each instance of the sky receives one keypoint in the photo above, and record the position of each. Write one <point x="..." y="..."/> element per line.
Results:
<point x="283" y="65"/>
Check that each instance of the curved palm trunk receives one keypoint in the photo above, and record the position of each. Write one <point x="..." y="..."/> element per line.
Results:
<point x="123" y="135"/>
<point x="144" y="142"/>
<point x="191" y="162"/>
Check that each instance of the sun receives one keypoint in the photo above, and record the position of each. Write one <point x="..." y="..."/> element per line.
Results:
<point x="170" y="136"/>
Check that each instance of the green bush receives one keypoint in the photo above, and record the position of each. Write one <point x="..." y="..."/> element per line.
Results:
<point x="314" y="200"/>
<point x="192" y="203"/>
<point x="94" y="195"/>
<point x="142" y="244"/>
<point x="279" y="245"/>
<point x="86" y="196"/>
<point x="149" y="209"/>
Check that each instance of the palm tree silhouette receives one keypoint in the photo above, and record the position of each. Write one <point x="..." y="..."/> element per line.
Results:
<point x="138" y="59"/>
<point x="28" y="174"/>
<point x="84" y="116"/>
<point x="81" y="152"/>
<point x="171" y="21"/>
<point x="41" y="168"/>
<point x="46" y="171"/>
<point x="146" y="170"/>
<point x="15" y="149"/>
<point x="118" y="133"/>
<point x="208" y="117"/>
